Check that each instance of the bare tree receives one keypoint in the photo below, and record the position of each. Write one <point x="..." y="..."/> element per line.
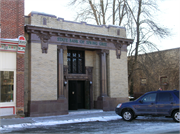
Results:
<point x="143" y="28"/>
<point x="101" y="12"/>
<point x="136" y="15"/>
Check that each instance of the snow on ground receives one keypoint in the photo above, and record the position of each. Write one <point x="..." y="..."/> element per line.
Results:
<point x="140" y="125"/>
<point x="45" y="123"/>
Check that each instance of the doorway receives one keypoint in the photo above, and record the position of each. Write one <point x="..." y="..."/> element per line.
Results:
<point x="79" y="95"/>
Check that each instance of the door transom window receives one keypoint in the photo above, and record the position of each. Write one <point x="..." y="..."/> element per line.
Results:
<point x="75" y="61"/>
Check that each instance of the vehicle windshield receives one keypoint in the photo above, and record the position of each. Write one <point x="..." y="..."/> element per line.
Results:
<point x="177" y="94"/>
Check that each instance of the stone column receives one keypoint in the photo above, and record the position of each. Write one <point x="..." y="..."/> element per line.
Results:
<point x="61" y="70"/>
<point x="103" y="79"/>
<point x="103" y="99"/>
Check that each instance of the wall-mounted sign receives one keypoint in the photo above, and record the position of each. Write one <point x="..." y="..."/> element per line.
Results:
<point x="22" y="44"/>
<point x="79" y="41"/>
<point x="8" y="47"/>
<point x="16" y="45"/>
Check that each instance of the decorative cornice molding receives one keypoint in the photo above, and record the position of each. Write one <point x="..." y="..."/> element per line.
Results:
<point x="77" y="34"/>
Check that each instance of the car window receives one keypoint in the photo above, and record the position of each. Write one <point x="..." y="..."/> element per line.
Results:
<point x="149" y="98"/>
<point x="165" y="97"/>
<point x="177" y="94"/>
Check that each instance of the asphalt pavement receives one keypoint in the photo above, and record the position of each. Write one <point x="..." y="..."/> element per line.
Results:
<point x="72" y="117"/>
<point x="94" y="118"/>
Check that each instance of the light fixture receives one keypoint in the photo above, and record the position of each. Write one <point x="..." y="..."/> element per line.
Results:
<point x="65" y="82"/>
<point x="90" y="82"/>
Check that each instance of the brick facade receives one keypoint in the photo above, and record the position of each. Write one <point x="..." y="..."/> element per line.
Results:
<point x="154" y="70"/>
<point x="12" y="18"/>
<point x="12" y="26"/>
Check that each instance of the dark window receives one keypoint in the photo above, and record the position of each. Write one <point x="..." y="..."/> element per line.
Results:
<point x="163" y="80"/>
<point x="149" y="98"/>
<point x="177" y="94"/>
<point x="75" y="62"/>
<point x="118" y="32"/>
<point x="165" y="97"/>
<point x="143" y="81"/>
<point x="44" y="21"/>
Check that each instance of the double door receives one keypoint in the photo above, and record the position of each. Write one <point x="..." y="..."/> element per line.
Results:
<point x="79" y="95"/>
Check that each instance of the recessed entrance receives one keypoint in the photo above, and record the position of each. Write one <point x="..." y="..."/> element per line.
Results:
<point x="79" y="95"/>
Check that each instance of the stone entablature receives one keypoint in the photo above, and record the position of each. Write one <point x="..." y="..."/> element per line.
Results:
<point x="51" y="21"/>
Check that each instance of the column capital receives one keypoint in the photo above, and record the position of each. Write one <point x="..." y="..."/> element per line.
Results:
<point x="102" y="51"/>
<point x="44" y="41"/>
<point x="61" y="47"/>
<point x="118" y="49"/>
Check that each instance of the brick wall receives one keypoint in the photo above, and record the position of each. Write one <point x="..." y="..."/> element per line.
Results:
<point x="12" y="18"/>
<point x="20" y="84"/>
<point x="12" y="26"/>
<point x="154" y="66"/>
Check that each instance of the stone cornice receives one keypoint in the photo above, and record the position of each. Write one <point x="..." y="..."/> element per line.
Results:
<point x="76" y="34"/>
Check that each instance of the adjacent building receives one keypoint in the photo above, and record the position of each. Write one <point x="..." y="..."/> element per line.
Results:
<point x="71" y="65"/>
<point x="12" y="49"/>
<point x="155" y="70"/>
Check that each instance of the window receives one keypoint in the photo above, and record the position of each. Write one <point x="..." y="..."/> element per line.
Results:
<point x="75" y="62"/>
<point x="163" y="80"/>
<point x="143" y="81"/>
<point x="7" y="86"/>
<point x="118" y="32"/>
<point x="165" y="97"/>
<point x="44" y="21"/>
<point x="149" y="98"/>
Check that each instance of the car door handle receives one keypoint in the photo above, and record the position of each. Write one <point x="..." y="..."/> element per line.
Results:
<point x="152" y="103"/>
<point x="172" y="102"/>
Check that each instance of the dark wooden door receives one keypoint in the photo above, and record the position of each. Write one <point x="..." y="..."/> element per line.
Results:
<point x="80" y="94"/>
<point x="72" y="95"/>
<point x="76" y="95"/>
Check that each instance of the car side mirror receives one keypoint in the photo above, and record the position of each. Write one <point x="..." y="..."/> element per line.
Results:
<point x="141" y="101"/>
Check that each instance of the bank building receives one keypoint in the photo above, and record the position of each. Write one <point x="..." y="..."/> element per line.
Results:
<point x="60" y="65"/>
<point x="73" y="65"/>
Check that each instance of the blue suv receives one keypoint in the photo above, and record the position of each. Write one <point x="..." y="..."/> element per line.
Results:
<point x="156" y="103"/>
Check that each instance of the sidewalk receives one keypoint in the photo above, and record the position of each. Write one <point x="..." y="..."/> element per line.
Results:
<point x="72" y="117"/>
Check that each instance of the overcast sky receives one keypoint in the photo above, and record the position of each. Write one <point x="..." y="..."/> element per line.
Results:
<point x="169" y="16"/>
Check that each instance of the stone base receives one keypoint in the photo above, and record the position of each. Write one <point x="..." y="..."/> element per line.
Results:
<point x="48" y="108"/>
<point x="108" y="104"/>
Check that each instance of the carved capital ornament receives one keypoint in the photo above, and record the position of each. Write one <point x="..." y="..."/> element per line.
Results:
<point x="118" y="50"/>
<point x="44" y="37"/>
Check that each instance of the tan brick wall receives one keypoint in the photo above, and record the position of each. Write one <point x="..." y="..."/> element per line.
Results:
<point x="89" y="56"/>
<point x="65" y="57"/>
<point x="43" y="73"/>
<point x="117" y="75"/>
<point x="76" y="26"/>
